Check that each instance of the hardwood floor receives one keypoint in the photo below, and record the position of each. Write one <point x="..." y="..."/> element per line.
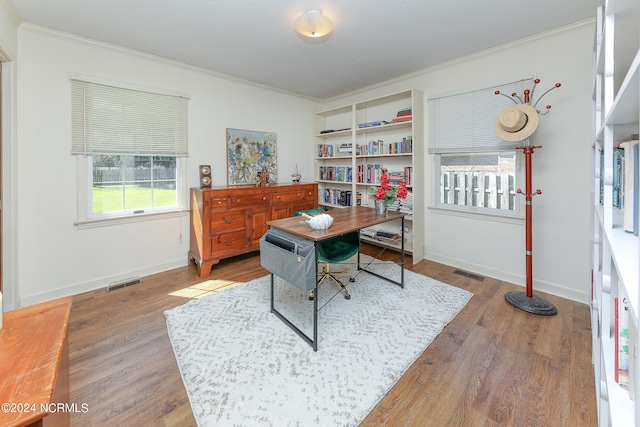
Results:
<point x="493" y="365"/>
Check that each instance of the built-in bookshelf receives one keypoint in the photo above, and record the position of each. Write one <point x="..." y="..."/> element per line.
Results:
<point x="615" y="296"/>
<point x="354" y="144"/>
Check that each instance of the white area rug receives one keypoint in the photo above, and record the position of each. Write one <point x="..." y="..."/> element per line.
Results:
<point x="242" y="366"/>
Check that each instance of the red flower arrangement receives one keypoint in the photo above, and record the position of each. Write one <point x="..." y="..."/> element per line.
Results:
<point x="388" y="192"/>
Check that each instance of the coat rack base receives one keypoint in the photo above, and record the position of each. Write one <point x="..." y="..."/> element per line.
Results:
<point x="534" y="304"/>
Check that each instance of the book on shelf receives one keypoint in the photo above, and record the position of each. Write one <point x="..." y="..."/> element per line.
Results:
<point x="602" y="176"/>
<point x="372" y="124"/>
<point x="618" y="177"/>
<point x="636" y="187"/>
<point x="616" y="307"/>
<point x="622" y="343"/>
<point x="403" y="115"/>
<point x="336" y="196"/>
<point x="335" y="173"/>
<point x="408" y="174"/>
<point x="626" y="167"/>
<point x="406" y="204"/>
<point x="396" y="176"/>
<point x="344" y="149"/>
<point x="325" y="150"/>
<point x="379" y="147"/>
<point x="381" y="236"/>
<point x="402" y="119"/>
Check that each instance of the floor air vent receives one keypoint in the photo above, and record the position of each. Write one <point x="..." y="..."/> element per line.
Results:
<point x="123" y="283"/>
<point x="469" y="275"/>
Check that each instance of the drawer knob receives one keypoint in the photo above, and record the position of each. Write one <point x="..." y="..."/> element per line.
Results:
<point x="229" y="221"/>
<point x="229" y="243"/>
<point x="264" y="197"/>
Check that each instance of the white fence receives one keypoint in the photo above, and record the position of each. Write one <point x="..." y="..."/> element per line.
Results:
<point x="478" y="188"/>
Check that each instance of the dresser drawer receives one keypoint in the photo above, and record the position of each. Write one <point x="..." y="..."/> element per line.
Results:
<point x="229" y="220"/>
<point x="288" y="196"/>
<point x="309" y="194"/>
<point x="219" y="202"/>
<point x="229" y="242"/>
<point x="259" y="199"/>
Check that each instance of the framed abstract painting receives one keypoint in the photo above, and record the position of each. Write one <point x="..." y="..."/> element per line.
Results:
<point x="250" y="152"/>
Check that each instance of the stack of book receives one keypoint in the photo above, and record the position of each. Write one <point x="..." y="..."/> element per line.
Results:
<point x="406" y="204"/>
<point x="395" y="177"/>
<point x="403" y="115"/>
<point x="344" y="150"/>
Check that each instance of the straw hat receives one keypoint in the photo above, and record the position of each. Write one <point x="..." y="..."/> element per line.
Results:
<point x="517" y="122"/>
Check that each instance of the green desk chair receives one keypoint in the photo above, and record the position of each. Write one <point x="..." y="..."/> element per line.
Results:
<point x="333" y="251"/>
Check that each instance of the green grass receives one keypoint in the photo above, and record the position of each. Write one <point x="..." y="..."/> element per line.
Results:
<point x="109" y="198"/>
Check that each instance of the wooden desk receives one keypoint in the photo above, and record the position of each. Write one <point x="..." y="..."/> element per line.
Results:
<point x="344" y="221"/>
<point x="34" y="365"/>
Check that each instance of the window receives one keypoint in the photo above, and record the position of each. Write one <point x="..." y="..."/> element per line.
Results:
<point x="476" y="170"/>
<point x="131" y="144"/>
<point x="133" y="183"/>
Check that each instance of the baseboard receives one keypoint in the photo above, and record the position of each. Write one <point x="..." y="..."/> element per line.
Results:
<point x="517" y="279"/>
<point x="103" y="282"/>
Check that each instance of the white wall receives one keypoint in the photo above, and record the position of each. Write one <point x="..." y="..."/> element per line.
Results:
<point x="561" y="169"/>
<point x="8" y="54"/>
<point x="55" y="258"/>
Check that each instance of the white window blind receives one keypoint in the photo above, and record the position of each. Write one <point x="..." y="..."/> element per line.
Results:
<point x="114" y="120"/>
<point x="464" y="123"/>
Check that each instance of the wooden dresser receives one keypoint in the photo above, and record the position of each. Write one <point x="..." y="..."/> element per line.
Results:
<point x="228" y="221"/>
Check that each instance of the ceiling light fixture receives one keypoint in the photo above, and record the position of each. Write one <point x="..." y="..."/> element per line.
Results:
<point x="313" y="24"/>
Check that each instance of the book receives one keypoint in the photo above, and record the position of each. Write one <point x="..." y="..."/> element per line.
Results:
<point x="636" y="187"/>
<point x="630" y="184"/>
<point x="616" y="371"/>
<point x="622" y="349"/>
<point x="372" y="124"/>
<point x="325" y="150"/>
<point x="618" y="176"/>
<point x="601" y="176"/>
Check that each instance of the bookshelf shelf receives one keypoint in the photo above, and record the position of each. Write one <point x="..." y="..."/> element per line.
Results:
<point x="392" y="128"/>
<point x="615" y="241"/>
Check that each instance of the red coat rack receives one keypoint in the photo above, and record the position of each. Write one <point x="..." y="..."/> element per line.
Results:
<point x="526" y="300"/>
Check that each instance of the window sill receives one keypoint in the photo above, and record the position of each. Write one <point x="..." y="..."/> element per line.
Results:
<point x="129" y="219"/>
<point x="507" y="217"/>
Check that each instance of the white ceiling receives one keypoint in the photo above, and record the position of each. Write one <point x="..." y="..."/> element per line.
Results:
<point x="373" y="40"/>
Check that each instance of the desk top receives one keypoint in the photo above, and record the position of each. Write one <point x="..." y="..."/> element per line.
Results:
<point x="31" y="344"/>
<point x="344" y="221"/>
